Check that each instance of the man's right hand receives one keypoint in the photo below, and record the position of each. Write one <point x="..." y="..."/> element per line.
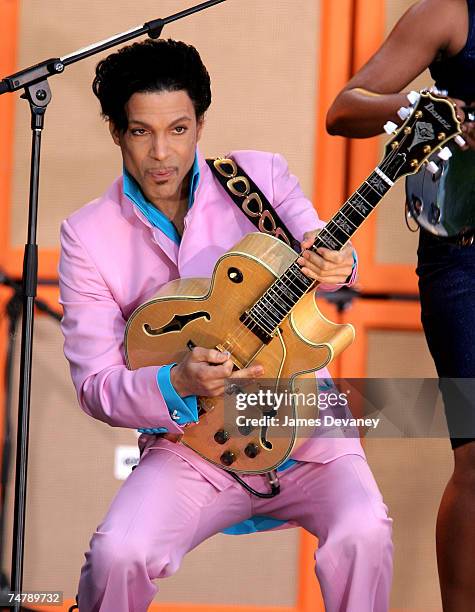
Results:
<point x="204" y="372"/>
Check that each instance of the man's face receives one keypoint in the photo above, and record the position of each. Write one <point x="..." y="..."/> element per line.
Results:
<point x="158" y="147"/>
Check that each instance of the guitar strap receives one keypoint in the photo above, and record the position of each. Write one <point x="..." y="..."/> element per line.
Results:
<point x="250" y="199"/>
<point x="257" y="208"/>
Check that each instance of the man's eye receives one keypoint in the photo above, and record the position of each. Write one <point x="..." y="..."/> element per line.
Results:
<point x="180" y="129"/>
<point x="138" y="132"/>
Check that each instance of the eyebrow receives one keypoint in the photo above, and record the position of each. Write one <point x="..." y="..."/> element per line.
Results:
<point x="147" y="125"/>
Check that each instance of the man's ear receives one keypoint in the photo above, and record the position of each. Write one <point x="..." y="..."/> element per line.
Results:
<point x="114" y="133"/>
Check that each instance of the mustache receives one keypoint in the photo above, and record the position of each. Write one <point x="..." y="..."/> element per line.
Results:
<point x="156" y="169"/>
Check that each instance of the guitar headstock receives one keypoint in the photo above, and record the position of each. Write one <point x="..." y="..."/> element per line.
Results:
<point x="430" y="126"/>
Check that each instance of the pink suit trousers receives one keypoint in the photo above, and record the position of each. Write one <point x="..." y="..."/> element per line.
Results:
<point x="167" y="507"/>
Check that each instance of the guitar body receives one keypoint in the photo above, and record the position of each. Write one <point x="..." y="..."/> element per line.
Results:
<point x="444" y="204"/>
<point x="206" y="312"/>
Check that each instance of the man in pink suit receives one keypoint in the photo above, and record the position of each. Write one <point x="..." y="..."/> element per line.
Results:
<point x="168" y="217"/>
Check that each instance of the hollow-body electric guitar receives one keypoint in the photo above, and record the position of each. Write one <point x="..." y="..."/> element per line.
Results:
<point x="260" y="307"/>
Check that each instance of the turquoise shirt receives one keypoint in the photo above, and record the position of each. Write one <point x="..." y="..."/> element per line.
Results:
<point x="185" y="410"/>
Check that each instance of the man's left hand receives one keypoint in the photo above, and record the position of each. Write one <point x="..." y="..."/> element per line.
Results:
<point x="325" y="265"/>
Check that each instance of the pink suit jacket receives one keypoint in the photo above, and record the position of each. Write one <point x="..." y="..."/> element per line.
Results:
<point x="113" y="260"/>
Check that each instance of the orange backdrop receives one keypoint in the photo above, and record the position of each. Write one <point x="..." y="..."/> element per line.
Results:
<point x="350" y="31"/>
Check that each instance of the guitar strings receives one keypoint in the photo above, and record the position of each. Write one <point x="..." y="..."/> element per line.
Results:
<point x="241" y="332"/>
<point x="278" y="289"/>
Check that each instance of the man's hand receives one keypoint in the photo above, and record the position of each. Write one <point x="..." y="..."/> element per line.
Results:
<point x="205" y="371"/>
<point x="326" y="266"/>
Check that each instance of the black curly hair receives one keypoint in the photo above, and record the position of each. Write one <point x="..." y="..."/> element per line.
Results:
<point x="150" y="66"/>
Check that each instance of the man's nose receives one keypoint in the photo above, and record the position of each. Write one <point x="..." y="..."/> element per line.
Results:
<point x="159" y="149"/>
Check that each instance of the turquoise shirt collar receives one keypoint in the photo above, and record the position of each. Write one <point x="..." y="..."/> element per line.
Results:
<point x="151" y="213"/>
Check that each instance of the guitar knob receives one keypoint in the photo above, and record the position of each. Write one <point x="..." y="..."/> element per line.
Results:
<point x="252" y="450"/>
<point x="404" y="112"/>
<point x="417" y="207"/>
<point x="432" y="167"/>
<point x="445" y="154"/>
<point x="221" y="436"/>
<point x="434" y="214"/>
<point x="245" y="430"/>
<point x="390" y="127"/>
<point x="460" y="141"/>
<point x="228" y="458"/>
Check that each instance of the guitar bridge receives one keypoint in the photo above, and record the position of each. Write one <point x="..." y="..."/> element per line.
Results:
<point x="237" y="364"/>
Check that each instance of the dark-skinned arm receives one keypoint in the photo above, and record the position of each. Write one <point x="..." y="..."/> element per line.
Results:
<point x="373" y="96"/>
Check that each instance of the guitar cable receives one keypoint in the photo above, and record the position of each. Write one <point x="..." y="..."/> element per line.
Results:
<point x="273" y="481"/>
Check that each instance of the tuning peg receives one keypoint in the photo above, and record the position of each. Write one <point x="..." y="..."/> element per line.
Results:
<point x="460" y="141"/>
<point x="413" y="97"/>
<point x="432" y="167"/>
<point x="404" y="112"/>
<point x="445" y="154"/>
<point x="390" y="127"/>
<point x="439" y="92"/>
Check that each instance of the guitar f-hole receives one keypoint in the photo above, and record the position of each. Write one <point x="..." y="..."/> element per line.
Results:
<point x="176" y="324"/>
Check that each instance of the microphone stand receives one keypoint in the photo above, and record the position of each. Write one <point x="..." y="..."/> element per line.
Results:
<point x="34" y="82"/>
<point x="13" y="311"/>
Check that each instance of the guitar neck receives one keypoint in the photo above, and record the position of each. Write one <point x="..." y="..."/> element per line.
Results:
<point x="281" y="297"/>
<point x="354" y="212"/>
<point x="431" y="123"/>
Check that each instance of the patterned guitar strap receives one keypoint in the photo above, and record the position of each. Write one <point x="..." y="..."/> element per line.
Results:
<point x="250" y="199"/>
<point x="254" y="204"/>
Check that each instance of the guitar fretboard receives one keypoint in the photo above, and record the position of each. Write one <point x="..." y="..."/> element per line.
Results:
<point x="278" y="301"/>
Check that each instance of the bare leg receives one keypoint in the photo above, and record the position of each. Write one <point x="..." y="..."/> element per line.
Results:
<point x="456" y="534"/>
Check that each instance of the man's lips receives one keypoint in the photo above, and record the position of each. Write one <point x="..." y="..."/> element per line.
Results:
<point x="161" y="175"/>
